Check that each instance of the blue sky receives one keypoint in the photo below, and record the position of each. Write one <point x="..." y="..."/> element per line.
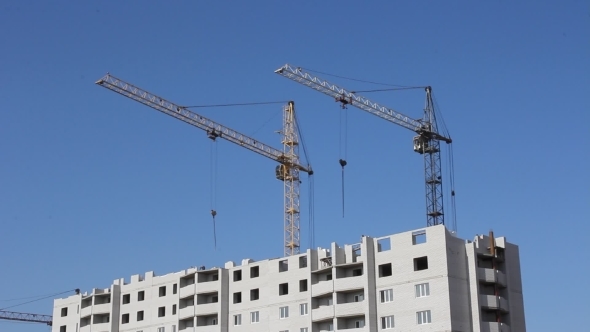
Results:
<point x="95" y="187"/>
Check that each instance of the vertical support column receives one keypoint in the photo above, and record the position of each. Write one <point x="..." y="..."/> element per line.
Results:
<point x="430" y="148"/>
<point x="291" y="180"/>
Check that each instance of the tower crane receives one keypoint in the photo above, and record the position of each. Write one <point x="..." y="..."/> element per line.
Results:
<point x="289" y="166"/>
<point x="426" y="142"/>
<point x="26" y="317"/>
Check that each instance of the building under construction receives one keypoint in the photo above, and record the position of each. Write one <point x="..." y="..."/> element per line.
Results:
<point x="422" y="280"/>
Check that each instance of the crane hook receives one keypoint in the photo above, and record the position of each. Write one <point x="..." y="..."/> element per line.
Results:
<point x="342" y="162"/>
<point x="213" y="214"/>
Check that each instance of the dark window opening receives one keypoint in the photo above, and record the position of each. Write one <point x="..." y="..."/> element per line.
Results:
<point x="303" y="285"/>
<point x="357" y="272"/>
<point x="174" y="309"/>
<point x="62" y="328"/>
<point x="161" y="311"/>
<point x="329" y="276"/>
<point x="385" y="270"/>
<point x="126" y="298"/>
<point x="421" y="263"/>
<point x="174" y="288"/>
<point x="302" y="262"/>
<point x="64" y="312"/>
<point x="238" y="297"/>
<point x="254" y="272"/>
<point x="162" y="291"/>
<point x="284" y="289"/>
<point x="140" y="316"/>
<point x="140" y="295"/>
<point x="254" y="294"/>
<point x="238" y="275"/>
<point x="125" y="319"/>
<point x="284" y="266"/>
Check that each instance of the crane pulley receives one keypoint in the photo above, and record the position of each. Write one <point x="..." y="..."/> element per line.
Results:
<point x="426" y="142"/>
<point x="288" y="158"/>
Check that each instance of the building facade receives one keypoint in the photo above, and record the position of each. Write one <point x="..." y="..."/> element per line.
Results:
<point x="423" y="280"/>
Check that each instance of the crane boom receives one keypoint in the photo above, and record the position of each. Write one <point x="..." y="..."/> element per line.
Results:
<point x="211" y="127"/>
<point x="26" y="317"/>
<point x="287" y="171"/>
<point x="346" y="97"/>
<point x="427" y="142"/>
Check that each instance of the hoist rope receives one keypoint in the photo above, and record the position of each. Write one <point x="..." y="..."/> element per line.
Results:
<point x="213" y="187"/>
<point x="311" y="216"/>
<point x="310" y="186"/>
<point x="450" y="163"/>
<point x="343" y="148"/>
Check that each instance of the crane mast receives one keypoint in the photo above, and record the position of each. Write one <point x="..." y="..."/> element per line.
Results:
<point x="289" y="166"/>
<point x="290" y="178"/>
<point x="426" y="142"/>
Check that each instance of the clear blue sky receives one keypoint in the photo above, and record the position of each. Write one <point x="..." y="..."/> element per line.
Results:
<point x="94" y="187"/>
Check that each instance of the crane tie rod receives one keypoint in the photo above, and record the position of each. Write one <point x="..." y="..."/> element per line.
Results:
<point x="390" y="89"/>
<point x="364" y="81"/>
<point x="238" y="104"/>
<point x="46" y="297"/>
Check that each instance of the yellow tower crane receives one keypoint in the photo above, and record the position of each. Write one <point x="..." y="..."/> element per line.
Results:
<point x="289" y="166"/>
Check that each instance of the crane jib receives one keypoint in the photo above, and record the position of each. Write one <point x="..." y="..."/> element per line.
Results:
<point x="181" y="113"/>
<point x="338" y="93"/>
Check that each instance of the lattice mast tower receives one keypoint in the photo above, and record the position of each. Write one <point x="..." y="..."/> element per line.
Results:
<point x="290" y="177"/>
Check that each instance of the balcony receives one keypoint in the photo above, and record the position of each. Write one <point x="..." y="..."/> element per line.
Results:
<point x="85" y="312"/>
<point x="186" y="312"/>
<point x="322" y="313"/>
<point x="186" y="324"/>
<point x="209" y="328"/>
<point x="493" y="302"/>
<point x="322" y="287"/>
<point x="491" y="327"/>
<point x="207" y="308"/>
<point x="85" y="328"/>
<point x="101" y="308"/>
<point x="492" y="276"/>
<point x="188" y="329"/>
<point x="349" y="309"/>
<point x="186" y="291"/>
<point x="360" y="329"/>
<point x="101" y="327"/>
<point x="343" y="284"/>
<point x="208" y="287"/>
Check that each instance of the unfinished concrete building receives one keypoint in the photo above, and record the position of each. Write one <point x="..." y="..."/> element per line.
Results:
<point x="423" y="280"/>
